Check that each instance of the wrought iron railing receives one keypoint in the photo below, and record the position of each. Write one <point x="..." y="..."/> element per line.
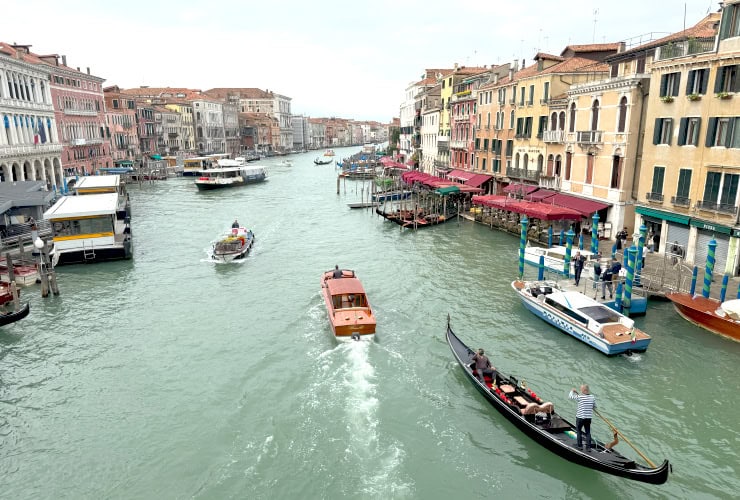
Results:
<point x="654" y="197"/>
<point x="680" y="201"/>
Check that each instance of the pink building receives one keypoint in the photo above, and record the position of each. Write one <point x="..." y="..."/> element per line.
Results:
<point x="122" y="122"/>
<point x="80" y="115"/>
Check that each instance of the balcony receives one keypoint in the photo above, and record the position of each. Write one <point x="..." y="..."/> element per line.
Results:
<point x="681" y="201"/>
<point x="589" y="137"/>
<point x="553" y="136"/>
<point x="685" y="48"/>
<point x="85" y="142"/>
<point x="724" y="208"/>
<point x="550" y="182"/>
<point x="458" y="145"/>
<point x="80" y="112"/>
<point x="523" y="173"/>
<point x="656" y="197"/>
<point x="6" y="151"/>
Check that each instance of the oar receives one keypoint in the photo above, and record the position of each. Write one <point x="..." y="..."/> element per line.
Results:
<point x="649" y="462"/>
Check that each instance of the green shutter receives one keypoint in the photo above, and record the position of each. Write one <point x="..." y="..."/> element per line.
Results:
<point x="704" y="81"/>
<point x="682" y="131"/>
<point x="711" y="129"/>
<point x="656" y="130"/>
<point x="663" y="85"/>
<point x="730" y="132"/>
<point x="719" y="79"/>
<point x="676" y="83"/>
<point x="690" y="82"/>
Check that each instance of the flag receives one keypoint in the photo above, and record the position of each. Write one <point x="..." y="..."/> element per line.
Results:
<point x="633" y="335"/>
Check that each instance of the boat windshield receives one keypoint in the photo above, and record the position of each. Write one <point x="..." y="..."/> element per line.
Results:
<point x="601" y="314"/>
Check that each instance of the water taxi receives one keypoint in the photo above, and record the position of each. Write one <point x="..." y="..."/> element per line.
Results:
<point x="89" y="228"/>
<point x="722" y="318"/>
<point x="97" y="184"/>
<point x="350" y="314"/>
<point x="329" y="152"/>
<point x="230" y="173"/>
<point x="582" y="317"/>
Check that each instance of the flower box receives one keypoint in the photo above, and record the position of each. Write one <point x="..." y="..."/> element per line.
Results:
<point x="667" y="98"/>
<point x="693" y="97"/>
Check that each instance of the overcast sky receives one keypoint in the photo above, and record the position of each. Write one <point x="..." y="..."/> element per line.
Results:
<point x="333" y="58"/>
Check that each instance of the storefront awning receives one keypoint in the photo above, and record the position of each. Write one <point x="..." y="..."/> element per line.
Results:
<point x="469" y="178"/>
<point x="660" y="214"/>
<point x="582" y="205"/>
<point x="520" y="188"/>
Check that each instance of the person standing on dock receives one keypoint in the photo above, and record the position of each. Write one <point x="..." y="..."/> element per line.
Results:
<point x="578" y="261"/>
<point x="584" y="414"/>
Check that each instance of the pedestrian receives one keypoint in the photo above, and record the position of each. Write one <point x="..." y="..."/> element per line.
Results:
<point x="610" y="274"/>
<point x="650" y="242"/>
<point x="584" y="414"/>
<point x="622" y="238"/>
<point x="597" y="273"/>
<point x="656" y="242"/>
<point x="235" y="224"/>
<point x="675" y="248"/>
<point x="578" y="262"/>
<point x="644" y="253"/>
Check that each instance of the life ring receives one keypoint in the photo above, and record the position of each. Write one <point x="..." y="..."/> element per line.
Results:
<point x="235" y="230"/>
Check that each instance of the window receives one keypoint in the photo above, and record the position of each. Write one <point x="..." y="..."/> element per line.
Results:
<point x="572" y="127"/>
<point x="528" y="126"/>
<point x="546" y="92"/>
<point x="663" y="130"/>
<point x="115" y="103"/>
<point x="622" y="118"/>
<point x="696" y="83"/>
<point x="541" y="126"/>
<point x="519" y="127"/>
<point x="511" y="119"/>
<point x="730" y="22"/>
<point x="509" y="148"/>
<point x="684" y="184"/>
<point x="658" y="176"/>
<point x="531" y="95"/>
<point x="723" y="132"/>
<point x="589" y="168"/>
<point x="688" y="131"/>
<point x="727" y="79"/>
<point x="513" y="95"/>
<point x="595" y="115"/>
<point x="616" y="172"/>
<point x="614" y="71"/>
<point x="483" y="166"/>
<point x="568" y="164"/>
<point x="669" y="84"/>
<point x="729" y="190"/>
<point x="711" y="187"/>
<point x="521" y="99"/>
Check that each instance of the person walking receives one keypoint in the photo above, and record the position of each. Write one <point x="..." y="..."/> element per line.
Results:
<point x="584" y="414"/>
<point x="578" y="262"/>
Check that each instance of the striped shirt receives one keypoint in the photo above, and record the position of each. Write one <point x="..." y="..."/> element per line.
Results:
<point x="586" y="404"/>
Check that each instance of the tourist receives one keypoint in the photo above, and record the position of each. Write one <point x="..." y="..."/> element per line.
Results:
<point x="650" y="242"/>
<point x="584" y="414"/>
<point x="610" y="274"/>
<point x="578" y="262"/>
<point x="622" y="238"/>
<point x="482" y="365"/>
<point x="337" y="272"/>
<point x="656" y="242"/>
<point x="597" y="273"/>
<point x="675" y="253"/>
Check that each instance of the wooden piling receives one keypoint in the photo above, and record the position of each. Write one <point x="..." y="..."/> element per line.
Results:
<point x="9" y="263"/>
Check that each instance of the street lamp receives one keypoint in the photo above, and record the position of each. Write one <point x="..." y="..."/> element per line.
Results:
<point x="38" y="243"/>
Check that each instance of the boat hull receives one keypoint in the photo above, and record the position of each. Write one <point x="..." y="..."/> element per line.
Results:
<point x="208" y="186"/>
<point x="700" y="311"/>
<point x="13" y="316"/>
<point x="581" y="333"/>
<point x="229" y="255"/>
<point x="348" y="323"/>
<point x="609" y="462"/>
<point x="81" y="256"/>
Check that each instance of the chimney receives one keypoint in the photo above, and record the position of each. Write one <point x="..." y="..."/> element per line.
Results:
<point x="524" y="63"/>
<point x="88" y="70"/>
<point x="64" y="60"/>
<point x="455" y="67"/>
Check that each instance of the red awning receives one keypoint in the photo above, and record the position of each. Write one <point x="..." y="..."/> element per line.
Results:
<point x="435" y="182"/>
<point x="533" y="209"/>
<point x="520" y="188"/>
<point x="468" y="178"/>
<point x="582" y="205"/>
<point x="540" y="195"/>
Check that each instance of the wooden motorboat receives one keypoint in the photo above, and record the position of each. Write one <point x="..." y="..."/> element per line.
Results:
<point x="6" y="294"/>
<point x="13" y="316"/>
<point x="350" y="314"/>
<point x="582" y="317"/>
<point x="23" y="274"/>
<point x="722" y="318"/>
<point x="234" y="245"/>
<point x="540" y="422"/>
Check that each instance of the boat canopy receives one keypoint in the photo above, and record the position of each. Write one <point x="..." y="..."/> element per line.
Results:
<point x="342" y="286"/>
<point x="69" y="207"/>
<point x="97" y="182"/>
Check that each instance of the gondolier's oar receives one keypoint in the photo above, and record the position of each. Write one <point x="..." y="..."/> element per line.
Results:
<point x="617" y="431"/>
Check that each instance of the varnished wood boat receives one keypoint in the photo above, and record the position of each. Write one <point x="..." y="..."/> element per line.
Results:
<point x="540" y="422"/>
<point x="350" y="314"/>
<point x="722" y="318"/>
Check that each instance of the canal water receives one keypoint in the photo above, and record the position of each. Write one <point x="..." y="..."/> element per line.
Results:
<point x="170" y="376"/>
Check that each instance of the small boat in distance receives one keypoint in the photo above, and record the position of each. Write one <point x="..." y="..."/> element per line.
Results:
<point x="350" y="314"/>
<point x="234" y="245"/>
<point x="582" y="317"/>
<point x="329" y="152"/>
<point x="23" y="274"/>
<point x="539" y="421"/>
<point x="230" y="173"/>
<point x="319" y="161"/>
<point x="722" y="318"/>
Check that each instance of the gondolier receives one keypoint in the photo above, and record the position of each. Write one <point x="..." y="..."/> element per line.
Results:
<point x="584" y="414"/>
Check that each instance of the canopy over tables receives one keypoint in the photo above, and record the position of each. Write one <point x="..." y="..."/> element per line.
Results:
<point x="434" y="182"/>
<point x="521" y="188"/>
<point x="533" y="209"/>
<point x="387" y="161"/>
<point x="469" y="178"/>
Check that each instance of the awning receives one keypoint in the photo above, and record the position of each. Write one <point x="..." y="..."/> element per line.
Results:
<point x="469" y="178"/>
<point x="432" y="181"/>
<point x="540" y="195"/>
<point x="520" y="188"/>
<point x="582" y="205"/>
<point x="659" y="214"/>
<point x="533" y="209"/>
<point x="155" y="157"/>
<point x="444" y="191"/>
<point x="124" y="163"/>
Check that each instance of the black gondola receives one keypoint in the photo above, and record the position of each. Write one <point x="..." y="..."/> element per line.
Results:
<point x="551" y="430"/>
<point x="13" y="316"/>
<point x="319" y="162"/>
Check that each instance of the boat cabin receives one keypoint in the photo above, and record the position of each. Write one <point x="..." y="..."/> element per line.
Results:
<point x="99" y="184"/>
<point x="585" y="310"/>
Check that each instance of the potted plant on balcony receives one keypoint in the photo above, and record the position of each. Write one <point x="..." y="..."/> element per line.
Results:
<point x="667" y="98"/>
<point x="693" y="97"/>
<point x="723" y="95"/>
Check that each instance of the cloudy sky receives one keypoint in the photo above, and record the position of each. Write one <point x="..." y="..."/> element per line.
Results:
<point x="333" y="58"/>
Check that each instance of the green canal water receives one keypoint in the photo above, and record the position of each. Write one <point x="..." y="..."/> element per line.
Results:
<point x="170" y="376"/>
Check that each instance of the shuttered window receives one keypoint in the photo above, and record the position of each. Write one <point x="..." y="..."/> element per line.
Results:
<point x="658" y="176"/>
<point x="697" y="80"/>
<point x="669" y="84"/>
<point x="684" y="183"/>
<point x="711" y="187"/>
<point x="727" y="79"/>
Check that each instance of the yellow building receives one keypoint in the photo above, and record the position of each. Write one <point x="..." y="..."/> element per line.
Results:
<point x="690" y="171"/>
<point x="186" y="134"/>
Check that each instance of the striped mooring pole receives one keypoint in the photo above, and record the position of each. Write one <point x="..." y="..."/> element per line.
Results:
<point x="580" y="241"/>
<point x="640" y="250"/>
<point x="723" y="291"/>
<point x="541" y="268"/>
<point x="694" y="275"/>
<point x="522" y="246"/>
<point x="568" y="249"/>
<point x="709" y="269"/>
<point x="549" y="237"/>
<point x="618" y="304"/>
<point x="595" y="233"/>
<point x="614" y="251"/>
<point x="631" y="255"/>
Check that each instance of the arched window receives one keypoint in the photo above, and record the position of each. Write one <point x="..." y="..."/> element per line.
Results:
<point x="595" y="115"/>
<point x="488" y="121"/>
<point x="516" y="161"/>
<point x="511" y="119"/>
<point x="572" y="127"/>
<point x="558" y="161"/>
<point x="561" y="121"/>
<point x="550" y="162"/>
<point x="540" y="162"/>
<point x="554" y="121"/>
<point x="622" y="114"/>
<point x="525" y="162"/>
<point x="589" y="168"/>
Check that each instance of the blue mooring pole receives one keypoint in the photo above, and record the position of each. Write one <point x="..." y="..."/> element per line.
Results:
<point x="549" y="237"/>
<point x="541" y="268"/>
<point x="568" y="250"/>
<point x="694" y="275"/>
<point x="723" y="291"/>
<point x="522" y="246"/>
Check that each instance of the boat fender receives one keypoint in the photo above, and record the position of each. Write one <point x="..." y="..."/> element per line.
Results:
<point x="523" y="384"/>
<point x="355" y="336"/>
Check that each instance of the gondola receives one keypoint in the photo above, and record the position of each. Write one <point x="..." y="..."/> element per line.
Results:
<point x="13" y="316"/>
<point x="546" y="427"/>
<point x="319" y="162"/>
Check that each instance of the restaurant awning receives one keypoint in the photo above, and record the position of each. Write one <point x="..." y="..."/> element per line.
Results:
<point x="533" y="209"/>
<point x="520" y="188"/>
<point x="432" y="181"/>
<point x="582" y="205"/>
<point x="444" y="191"/>
<point x="469" y="178"/>
<point x="540" y="195"/>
